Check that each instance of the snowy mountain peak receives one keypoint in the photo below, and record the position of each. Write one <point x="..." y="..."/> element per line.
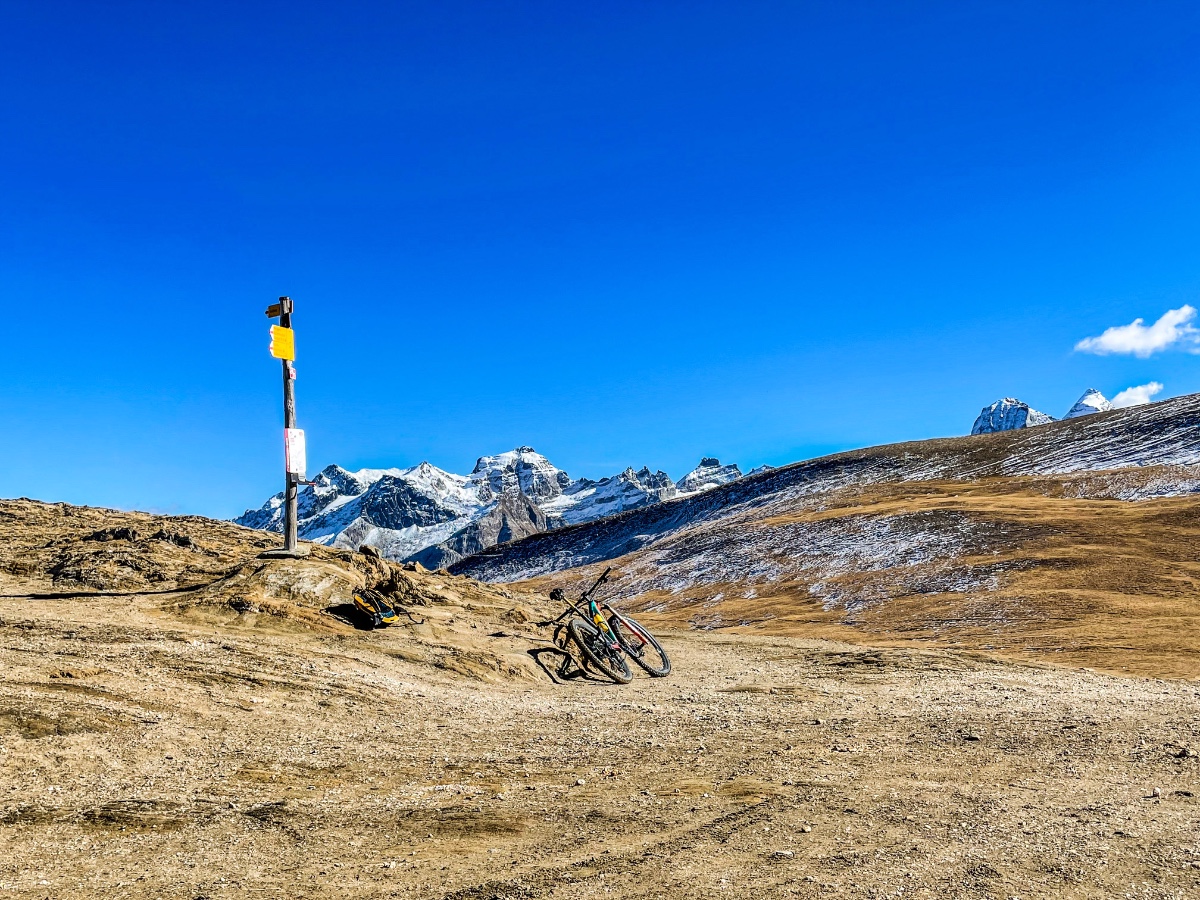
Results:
<point x="1007" y="414"/>
<point x="1092" y="401"/>
<point x="709" y="474"/>
<point x="435" y="516"/>
<point x="524" y="470"/>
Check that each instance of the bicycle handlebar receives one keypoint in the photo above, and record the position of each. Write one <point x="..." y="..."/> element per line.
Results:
<point x="574" y="607"/>
<point x="599" y="581"/>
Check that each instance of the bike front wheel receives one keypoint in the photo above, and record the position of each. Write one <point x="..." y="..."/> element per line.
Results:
<point x="597" y="651"/>
<point x="640" y="645"/>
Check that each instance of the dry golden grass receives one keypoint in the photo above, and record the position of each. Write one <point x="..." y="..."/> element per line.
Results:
<point x="1104" y="584"/>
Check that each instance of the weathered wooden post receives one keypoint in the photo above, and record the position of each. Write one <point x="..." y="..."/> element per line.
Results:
<point x="283" y="347"/>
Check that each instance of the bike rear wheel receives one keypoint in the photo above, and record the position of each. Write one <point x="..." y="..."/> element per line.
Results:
<point x="640" y="645"/>
<point x="597" y="653"/>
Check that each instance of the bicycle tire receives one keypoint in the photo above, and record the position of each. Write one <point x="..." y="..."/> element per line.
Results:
<point x="635" y="649"/>
<point x="596" y="654"/>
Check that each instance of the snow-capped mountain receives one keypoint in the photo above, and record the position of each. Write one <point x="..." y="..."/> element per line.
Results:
<point x="1007" y="414"/>
<point x="709" y="474"/>
<point x="437" y="517"/>
<point x="1092" y="401"/>
<point x="524" y="470"/>
<point x="398" y="511"/>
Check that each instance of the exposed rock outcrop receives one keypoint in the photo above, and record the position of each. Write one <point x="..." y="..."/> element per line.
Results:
<point x="1007" y="414"/>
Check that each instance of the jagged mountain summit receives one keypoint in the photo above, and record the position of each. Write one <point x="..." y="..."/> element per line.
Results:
<point x="524" y="470"/>
<point x="585" y="499"/>
<point x="708" y="475"/>
<point x="1092" y="401"/>
<point x="436" y="517"/>
<point x="1007" y="414"/>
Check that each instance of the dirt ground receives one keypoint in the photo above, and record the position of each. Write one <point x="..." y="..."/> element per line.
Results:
<point x="146" y="755"/>
<point x="236" y="736"/>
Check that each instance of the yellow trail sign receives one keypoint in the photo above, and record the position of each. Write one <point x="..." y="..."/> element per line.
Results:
<point x="283" y="343"/>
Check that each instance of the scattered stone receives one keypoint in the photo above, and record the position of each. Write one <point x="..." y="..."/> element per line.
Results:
<point x="113" y="534"/>
<point x="174" y="537"/>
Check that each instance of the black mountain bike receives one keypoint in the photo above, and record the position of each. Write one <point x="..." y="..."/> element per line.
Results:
<point x="606" y="637"/>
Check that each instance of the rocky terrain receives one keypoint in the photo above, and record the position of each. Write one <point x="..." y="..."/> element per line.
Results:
<point x="182" y="719"/>
<point x="436" y="517"/>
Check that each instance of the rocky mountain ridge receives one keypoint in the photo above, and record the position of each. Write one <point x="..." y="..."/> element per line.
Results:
<point x="1137" y="453"/>
<point x="1092" y="401"/>
<point x="436" y="517"/>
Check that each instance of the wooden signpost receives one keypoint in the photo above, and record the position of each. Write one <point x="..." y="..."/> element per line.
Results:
<point x="283" y="347"/>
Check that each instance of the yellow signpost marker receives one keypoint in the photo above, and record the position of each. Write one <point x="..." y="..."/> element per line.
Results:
<point x="283" y="343"/>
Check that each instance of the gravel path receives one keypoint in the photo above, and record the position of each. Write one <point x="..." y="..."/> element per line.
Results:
<point x="147" y="751"/>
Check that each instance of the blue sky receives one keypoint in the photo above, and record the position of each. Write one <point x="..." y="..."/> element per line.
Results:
<point x="621" y="233"/>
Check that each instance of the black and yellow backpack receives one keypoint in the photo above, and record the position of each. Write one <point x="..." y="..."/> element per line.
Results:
<point x="375" y="608"/>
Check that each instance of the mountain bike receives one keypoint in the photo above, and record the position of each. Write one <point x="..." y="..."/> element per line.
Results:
<point x="606" y="642"/>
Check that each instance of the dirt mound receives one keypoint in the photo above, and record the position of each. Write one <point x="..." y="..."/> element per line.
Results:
<point x="58" y="547"/>
<point x="201" y="570"/>
<point x="448" y="621"/>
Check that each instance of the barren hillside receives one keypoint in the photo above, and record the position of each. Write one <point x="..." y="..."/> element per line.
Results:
<point x="1151" y="451"/>
<point x="936" y="543"/>
<point x="183" y="720"/>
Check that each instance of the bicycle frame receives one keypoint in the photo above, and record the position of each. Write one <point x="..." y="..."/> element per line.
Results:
<point x="588" y="608"/>
<point x="632" y="627"/>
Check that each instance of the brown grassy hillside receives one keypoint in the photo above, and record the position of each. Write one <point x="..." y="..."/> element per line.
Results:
<point x="1019" y="566"/>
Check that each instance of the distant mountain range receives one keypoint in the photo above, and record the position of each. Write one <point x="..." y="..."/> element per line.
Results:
<point x="833" y="518"/>
<point x="1010" y="413"/>
<point x="436" y="517"/>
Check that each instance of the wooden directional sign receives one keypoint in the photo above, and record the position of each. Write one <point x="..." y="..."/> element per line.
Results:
<point x="283" y="343"/>
<point x="275" y="310"/>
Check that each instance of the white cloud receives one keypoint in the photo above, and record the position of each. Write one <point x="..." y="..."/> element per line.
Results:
<point x="1173" y="327"/>
<point x="1136" y="396"/>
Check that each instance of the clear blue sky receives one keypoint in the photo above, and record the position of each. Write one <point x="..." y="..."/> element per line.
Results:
<point x="622" y="233"/>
